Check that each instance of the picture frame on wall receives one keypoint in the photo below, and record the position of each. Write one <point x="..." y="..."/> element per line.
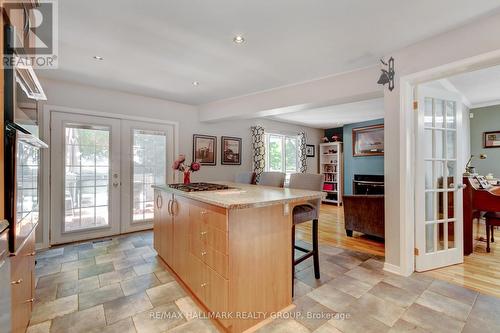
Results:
<point x="310" y="150"/>
<point x="230" y="150"/>
<point x="368" y="141"/>
<point x="492" y="139"/>
<point x="204" y="149"/>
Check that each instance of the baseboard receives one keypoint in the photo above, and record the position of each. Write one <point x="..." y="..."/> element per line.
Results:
<point x="395" y="269"/>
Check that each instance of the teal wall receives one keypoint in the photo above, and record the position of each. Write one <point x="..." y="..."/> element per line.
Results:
<point x="485" y="119"/>
<point x="366" y="165"/>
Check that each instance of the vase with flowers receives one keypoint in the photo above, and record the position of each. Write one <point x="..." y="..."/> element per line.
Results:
<point x="180" y="165"/>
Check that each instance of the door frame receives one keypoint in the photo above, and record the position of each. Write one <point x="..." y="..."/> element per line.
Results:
<point x="46" y="111"/>
<point x="407" y="84"/>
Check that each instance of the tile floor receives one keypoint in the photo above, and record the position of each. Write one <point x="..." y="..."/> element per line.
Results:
<point x="117" y="285"/>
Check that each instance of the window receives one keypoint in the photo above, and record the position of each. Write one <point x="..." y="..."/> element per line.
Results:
<point x="282" y="153"/>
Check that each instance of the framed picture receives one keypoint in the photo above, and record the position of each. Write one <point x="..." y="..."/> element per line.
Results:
<point x="230" y="150"/>
<point x="310" y="150"/>
<point x="204" y="149"/>
<point x="492" y="139"/>
<point x="368" y="141"/>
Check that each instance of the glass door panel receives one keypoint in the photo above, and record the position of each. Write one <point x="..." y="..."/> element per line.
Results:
<point x="436" y="222"/>
<point x="149" y="153"/>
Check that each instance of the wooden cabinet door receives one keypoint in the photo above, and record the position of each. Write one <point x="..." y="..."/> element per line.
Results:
<point x="180" y="211"/>
<point x="167" y="229"/>
<point x="157" y="225"/>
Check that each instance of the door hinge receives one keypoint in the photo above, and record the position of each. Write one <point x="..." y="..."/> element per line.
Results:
<point x="415" y="105"/>
<point x="416" y="251"/>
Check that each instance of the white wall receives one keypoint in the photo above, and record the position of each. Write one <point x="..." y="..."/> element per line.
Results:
<point x="78" y="96"/>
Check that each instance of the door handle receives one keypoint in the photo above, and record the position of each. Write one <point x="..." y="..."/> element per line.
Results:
<point x="461" y="186"/>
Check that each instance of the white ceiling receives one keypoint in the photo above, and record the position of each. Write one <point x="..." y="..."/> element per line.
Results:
<point x="481" y="88"/>
<point x="336" y="115"/>
<point x="159" y="47"/>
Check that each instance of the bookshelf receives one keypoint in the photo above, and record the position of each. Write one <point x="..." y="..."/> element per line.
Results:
<point x="331" y="167"/>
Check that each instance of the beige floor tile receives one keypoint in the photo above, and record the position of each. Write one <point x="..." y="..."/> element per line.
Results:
<point x="384" y="311"/>
<point x="50" y="310"/>
<point x="40" y="328"/>
<point x="164" y="276"/>
<point x="332" y="298"/>
<point x="116" y="276"/>
<point x="188" y="308"/>
<point x="77" y="286"/>
<point x="123" y="326"/>
<point x="432" y="320"/>
<point x="49" y="280"/>
<point x="158" y="319"/>
<point x="47" y="268"/>
<point x="139" y="283"/>
<point x="109" y="257"/>
<point x="402" y="326"/>
<point x="327" y="328"/>
<point x="149" y="267"/>
<point x="47" y="294"/>
<point x="68" y="266"/>
<point x="126" y="306"/>
<point x="165" y="293"/>
<point x="350" y="285"/>
<point x="283" y="326"/>
<point x="458" y="293"/>
<point x="449" y="306"/>
<point x="368" y="276"/>
<point x="92" y="253"/>
<point x="99" y="296"/>
<point x="80" y="322"/>
<point x="128" y="261"/>
<point x="195" y="326"/>
<point x="93" y="270"/>
<point x="358" y="323"/>
<point x="393" y="294"/>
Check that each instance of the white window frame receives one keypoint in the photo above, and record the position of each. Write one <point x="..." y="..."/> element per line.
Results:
<point x="283" y="152"/>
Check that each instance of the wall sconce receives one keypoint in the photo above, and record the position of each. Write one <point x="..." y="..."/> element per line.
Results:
<point x="387" y="76"/>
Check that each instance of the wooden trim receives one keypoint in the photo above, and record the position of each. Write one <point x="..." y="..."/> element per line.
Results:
<point x="364" y="129"/>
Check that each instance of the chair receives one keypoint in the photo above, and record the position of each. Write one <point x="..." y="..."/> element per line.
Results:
<point x="276" y="179"/>
<point x="364" y="213"/>
<point x="304" y="213"/>
<point x="245" y="178"/>
<point x="492" y="220"/>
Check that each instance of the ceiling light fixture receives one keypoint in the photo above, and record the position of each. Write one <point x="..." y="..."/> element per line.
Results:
<point x="196" y="83"/>
<point x="239" y="39"/>
<point x="98" y="58"/>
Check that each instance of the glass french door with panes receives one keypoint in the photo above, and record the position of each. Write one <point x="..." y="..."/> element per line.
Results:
<point x="102" y="170"/>
<point x="439" y="164"/>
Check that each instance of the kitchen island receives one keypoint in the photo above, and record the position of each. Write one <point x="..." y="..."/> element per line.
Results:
<point x="231" y="249"/>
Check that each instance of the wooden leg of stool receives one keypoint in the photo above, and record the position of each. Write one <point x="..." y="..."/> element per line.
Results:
<point x="488" y="229"/>
<point x="315" y="248"/>
<point x="492" y="234"/>
<point x="293" y="259"/>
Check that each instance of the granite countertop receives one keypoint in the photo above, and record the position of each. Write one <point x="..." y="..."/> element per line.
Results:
<point x="246" y="196"/>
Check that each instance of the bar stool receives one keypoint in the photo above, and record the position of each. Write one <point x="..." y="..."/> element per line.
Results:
<point x="276" y="179"/>
<point x="304" y="213"/>
<point x="492" y="220"/>
<point x="245" y="178"/>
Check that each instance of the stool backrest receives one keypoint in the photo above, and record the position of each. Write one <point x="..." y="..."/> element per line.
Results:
<point x="245" y="178"/>
<point x="308" y="181"/>
<point x="276" y="179"/>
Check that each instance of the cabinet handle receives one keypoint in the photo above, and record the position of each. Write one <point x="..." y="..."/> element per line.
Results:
<point x="204" y="253"/>
<point x="31" y="254"/>
<point x="174" y="211"/>
<point x="204" y="212"/>
<point x="30" y="300"/>
<point x="203" y="233"/>
<point x="203" y="285"/>
<point x="169" y="208"/>
<point x="17" y="282"/>
<point x="159" y="201"/>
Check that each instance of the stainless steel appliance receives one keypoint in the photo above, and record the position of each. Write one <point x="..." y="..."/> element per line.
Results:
<point x="5" y="291"/>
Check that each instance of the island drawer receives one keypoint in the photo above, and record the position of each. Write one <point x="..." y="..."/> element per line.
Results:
<point x="209" y="236"/>
<point x="214" y="216"/>
<point x="213" y="258"/>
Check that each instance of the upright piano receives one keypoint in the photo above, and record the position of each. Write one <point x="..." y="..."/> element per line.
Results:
<point x="477" y="200"/>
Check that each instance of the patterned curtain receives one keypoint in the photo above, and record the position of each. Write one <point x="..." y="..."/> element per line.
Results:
<point x="259" y="150"/>
<point x="302" y="152"/>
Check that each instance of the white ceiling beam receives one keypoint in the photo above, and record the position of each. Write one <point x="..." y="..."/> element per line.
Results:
<point x="342" y="88"/>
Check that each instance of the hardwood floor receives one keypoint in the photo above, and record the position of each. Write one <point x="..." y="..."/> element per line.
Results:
<point x="332" y="232"/>
<point x="480" y="270"/>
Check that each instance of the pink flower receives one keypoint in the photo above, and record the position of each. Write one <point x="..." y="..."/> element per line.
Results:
<point x="195" y="166"/>
<point x="177" y="165"/>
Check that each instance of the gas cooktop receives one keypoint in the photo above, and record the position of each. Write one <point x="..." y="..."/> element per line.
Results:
<point x="197" y="187"/>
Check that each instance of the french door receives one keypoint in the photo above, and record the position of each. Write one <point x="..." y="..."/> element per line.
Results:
<point x="102" y="170"/>
<point x="438" y="197"/>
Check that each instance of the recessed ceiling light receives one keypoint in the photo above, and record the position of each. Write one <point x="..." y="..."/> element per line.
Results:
<point x="239" y="39"/>
<point x="98" y="58"/>
<point x="196" y="83"/>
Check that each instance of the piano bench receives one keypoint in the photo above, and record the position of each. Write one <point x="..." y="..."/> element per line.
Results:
<point x="492" y="220"/>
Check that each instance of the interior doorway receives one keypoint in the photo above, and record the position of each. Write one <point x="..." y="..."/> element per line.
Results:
<point x="101" y="173"/>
